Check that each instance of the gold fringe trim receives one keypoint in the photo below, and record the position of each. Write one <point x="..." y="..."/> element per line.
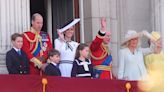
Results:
<point x="36" y="62"/>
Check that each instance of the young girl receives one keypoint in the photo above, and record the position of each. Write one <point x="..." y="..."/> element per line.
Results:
<point x="82" y="66"/>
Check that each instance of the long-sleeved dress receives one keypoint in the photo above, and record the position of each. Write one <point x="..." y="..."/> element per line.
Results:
<point x="155" y="62"/>
<point x="67" y="51"/>
<point x="131" y="66"/>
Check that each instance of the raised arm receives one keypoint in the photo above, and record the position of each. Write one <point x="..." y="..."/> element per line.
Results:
<point x="99" y="38"/>
<point x="148" y="50"/>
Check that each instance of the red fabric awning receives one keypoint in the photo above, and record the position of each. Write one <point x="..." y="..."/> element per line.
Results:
<point x="30" y="83"/>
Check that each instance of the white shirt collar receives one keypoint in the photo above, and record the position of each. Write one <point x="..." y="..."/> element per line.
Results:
<point x="16" y="49"/>
<point x="53" y="63"/>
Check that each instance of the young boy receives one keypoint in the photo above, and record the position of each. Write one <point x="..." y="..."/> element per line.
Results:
<point x="16" y="59"/>
<point x="52" y="68"/>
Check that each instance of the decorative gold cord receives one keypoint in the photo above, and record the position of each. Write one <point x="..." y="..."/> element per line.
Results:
<point x="103" y="55"/>
<point x="31" y="41"/>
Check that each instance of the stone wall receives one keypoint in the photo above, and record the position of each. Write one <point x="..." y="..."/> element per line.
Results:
<point x="14" y="17"/>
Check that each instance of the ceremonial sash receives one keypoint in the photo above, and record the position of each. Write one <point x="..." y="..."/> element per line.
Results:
<point x="103" y="67"/>
<point x="37" y="51"/>
<point x="41" y="45"/>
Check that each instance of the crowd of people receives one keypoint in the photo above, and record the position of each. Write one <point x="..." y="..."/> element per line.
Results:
<point x="33" y="53"/>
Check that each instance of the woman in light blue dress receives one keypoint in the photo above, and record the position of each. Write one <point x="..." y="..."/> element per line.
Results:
<point x="131" y="62"/>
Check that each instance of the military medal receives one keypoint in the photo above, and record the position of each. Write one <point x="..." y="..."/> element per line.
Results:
<point x="44" y="46"/>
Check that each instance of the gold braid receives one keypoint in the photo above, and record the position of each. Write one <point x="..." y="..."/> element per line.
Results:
<point x="31" y="41"/>
<point x="103" y="55"/>
<point x="37" y="39"/>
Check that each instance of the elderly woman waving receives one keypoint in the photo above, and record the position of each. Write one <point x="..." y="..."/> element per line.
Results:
<point x="131" y="61"/>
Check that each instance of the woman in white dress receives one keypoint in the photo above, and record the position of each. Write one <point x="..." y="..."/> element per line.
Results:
<point x="67" y="48"/>
<point x="131" y="61"/>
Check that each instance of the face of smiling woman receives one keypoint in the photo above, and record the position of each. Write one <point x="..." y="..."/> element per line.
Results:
<point x="69" y="33"/>
<point x="133" y="43"/>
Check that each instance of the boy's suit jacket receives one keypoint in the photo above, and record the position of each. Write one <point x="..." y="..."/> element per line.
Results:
<point x="52" y="70"/>
<point x="17" y="64"/>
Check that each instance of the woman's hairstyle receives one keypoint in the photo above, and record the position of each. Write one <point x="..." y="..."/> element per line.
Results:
<point x="79" y="48"/>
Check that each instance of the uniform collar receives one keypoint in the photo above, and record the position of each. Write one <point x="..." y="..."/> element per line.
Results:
<point x="34" y="31"/>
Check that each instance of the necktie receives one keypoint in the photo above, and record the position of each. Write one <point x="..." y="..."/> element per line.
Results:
<point x="19" y="52"/>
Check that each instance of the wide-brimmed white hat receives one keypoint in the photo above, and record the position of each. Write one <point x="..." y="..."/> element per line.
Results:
<point x="75" y="21"/>
<point x="131" y="34"/>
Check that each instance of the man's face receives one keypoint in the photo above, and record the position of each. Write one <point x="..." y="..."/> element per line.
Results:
<point x="107" y="38"/>
<point x="37" y="24"/>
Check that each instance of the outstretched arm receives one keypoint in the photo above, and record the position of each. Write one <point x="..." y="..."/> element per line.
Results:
<point x="99" y="38"/>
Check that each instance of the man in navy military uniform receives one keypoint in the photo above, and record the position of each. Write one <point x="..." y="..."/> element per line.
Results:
<point x="16" y="60"/>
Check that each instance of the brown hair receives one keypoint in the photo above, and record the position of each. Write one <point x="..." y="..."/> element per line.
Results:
<point x="15" y="35"/>
<point x="53" y="52"/>
<point x="80" y="47"/>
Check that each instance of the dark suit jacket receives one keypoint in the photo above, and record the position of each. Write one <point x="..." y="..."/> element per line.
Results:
<point x="52" y="70"/>
<point x="17" y="64"/>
